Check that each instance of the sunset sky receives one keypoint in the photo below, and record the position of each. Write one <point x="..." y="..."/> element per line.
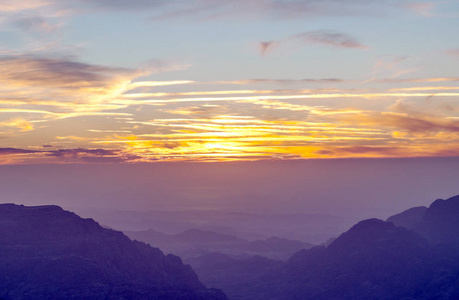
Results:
<point x="214" y="80"/>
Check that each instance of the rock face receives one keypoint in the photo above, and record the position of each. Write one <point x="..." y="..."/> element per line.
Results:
<point x="49" y="253"/>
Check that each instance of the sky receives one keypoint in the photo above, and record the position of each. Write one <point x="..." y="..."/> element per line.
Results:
<point x="112" y="81"/>
<point x="353" y="188"/>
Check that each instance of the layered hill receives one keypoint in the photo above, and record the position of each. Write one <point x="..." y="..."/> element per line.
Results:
<point x="193" y="243"/>
<point x="49" y="253"/>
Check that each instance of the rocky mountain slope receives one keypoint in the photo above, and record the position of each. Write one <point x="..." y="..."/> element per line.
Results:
<point x="374" y="259"/>
<point x="49" y="253"/>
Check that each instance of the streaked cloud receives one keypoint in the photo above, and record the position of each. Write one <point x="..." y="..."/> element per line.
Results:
<point x="79" y="155"/>
<point x="36" y="24"/>
<point x="287" y="81"/>
<point x="21" y="124"/>
<point x="62" y="88"/>
<point x="272" y="9"/>
<point x="13" y="6"/>
<point x="319" y="37"/>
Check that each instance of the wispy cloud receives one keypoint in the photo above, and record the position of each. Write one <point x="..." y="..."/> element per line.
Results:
<point x="454" y="52"/>
<point x="272" y="9"/>
<point x="66" y="86"/>
<point x="36" y="24"/>
<point x="79" y="155"/>
<point x="319" y="37"/>
<point x="19" y="123"/>
<point x="408" y="80"/>
<point x="287" y="81"/>
<point x="14" y="6"/>
<point x="422" y="8"/>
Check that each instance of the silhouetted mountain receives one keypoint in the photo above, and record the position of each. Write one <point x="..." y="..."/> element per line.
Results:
<point x="237" y="277"/>
<point x="376" y="260"/>
<point x="190" y="237"/>
<point x="202" y="236"/>
<point x="312" y="228"/>
<point x="195" y="242"/>
<point x="440" y="224"/>
<point x="49" y="253"/>
<point x="373" y="260"/>
<point x="409" y="218"/>
<point x="190" y="243"/>
<point x="275" y="244"/>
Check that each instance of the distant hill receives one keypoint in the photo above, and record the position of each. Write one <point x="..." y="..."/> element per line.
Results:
<point x="49" y="253"/>
<point x="312" y="228"/>
<point x="196" y="242"/>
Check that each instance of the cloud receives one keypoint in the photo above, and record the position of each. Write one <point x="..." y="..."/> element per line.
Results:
<point x="454" y="52"/>
<point x="380" y="150"/>
<point x="266" y="47"/>
<point x="27" y="70"/>
<point x="337" y="80"/>
<point x="14" y="155"/>
<point x="74" y="153"/>
<point x="405" y="80"/>
<point x="318" y="37"/>
<point x="9" y="6"/>
<point x="161" y="66"/>
<point x="20" y="123"/>
<point x="212" y="9"/>
<point x="424" y="9"/>
<point x="269" y="9"/>
<point x="58" y="87"/>
<point x="426" y="118"/>
<point x="122" y="4"/>
<point x="144" y="84"/>
<point x="36" y="24"/>
<point x="7" y="151"/>
<point x="331" y="38"/>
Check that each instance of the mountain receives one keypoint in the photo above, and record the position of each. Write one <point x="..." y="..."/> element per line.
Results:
<point x="196" y="242"/>
<point x="198" y="236"/>
<point x="374" y="259"/>
<point x="237" y="277"/>
<point x="439" y="223"/>
<point x="275" y="244"/>
<point x="312" y="228"/>
<point x="409" y="218"/>
<point x="47" y="252"/>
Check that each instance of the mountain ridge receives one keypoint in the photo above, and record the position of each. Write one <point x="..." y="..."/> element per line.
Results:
<point x="46" y="250"/>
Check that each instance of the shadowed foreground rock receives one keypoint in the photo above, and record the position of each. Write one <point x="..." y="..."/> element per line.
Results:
<point x="49" y="253"/>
